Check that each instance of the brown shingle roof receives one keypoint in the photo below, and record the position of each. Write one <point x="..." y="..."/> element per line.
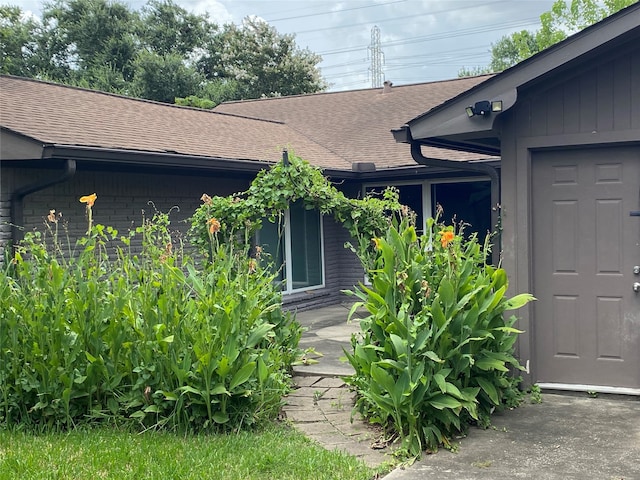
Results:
<point x="356" y="125"/>
<point x="69" y="116"/>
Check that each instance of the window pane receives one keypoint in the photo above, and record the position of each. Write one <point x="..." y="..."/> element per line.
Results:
<point x="409" y="195"/>
<point x="306" y="247"/>
<point x="469" y="202"/>
<point x="271" y="238"/>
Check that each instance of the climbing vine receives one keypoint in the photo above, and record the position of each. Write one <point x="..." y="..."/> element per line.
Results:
<point x="272" y="191"/>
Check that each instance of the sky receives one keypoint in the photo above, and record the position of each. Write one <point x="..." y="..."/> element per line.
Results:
<point x="419" y="40"/>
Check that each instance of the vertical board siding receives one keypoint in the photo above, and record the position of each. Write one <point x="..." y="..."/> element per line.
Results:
<point x="603" y="99"/>
<point x="634" y="88"/>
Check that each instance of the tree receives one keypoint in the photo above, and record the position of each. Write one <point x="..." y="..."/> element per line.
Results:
<point x="562" y="20"/>
<point x="16" y="41"/>
<point x="97" y="33"/>
<point x="262" y="61"/>
<point x="165" y="28"/>
<point x="161" y="53"/>
<point x="164" y="77"/>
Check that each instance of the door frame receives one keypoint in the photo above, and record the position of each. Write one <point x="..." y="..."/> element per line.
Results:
<point x="517" y="203"/>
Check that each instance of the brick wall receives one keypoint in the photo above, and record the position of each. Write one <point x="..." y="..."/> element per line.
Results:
<point x="123" y="199"/>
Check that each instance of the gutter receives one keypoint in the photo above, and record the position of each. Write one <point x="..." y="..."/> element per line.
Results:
<point x="16" y="199"/>
<point x="489" y="170"/>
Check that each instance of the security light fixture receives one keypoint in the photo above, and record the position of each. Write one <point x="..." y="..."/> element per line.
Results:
<point x="484" y="108"/>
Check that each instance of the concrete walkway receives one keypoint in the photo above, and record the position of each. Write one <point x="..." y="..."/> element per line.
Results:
<point x="565" y="437"/>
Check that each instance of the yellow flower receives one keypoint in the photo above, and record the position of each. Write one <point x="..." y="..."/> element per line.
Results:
<point x="214" y="225"/>
<point x="446" y="238"/>
<point x="376" y="242"/>
<point x="89" y="199"/>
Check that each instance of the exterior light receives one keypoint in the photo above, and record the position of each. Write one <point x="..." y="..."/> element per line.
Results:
<point x="484" y="108"/>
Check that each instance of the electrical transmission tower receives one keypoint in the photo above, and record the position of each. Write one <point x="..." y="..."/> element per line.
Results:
<point x="377" y="59"/>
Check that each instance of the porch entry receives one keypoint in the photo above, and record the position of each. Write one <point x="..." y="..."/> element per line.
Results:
<point x="586" y="245"/>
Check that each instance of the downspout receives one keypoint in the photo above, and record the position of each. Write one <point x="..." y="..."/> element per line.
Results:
<point x="489" y="170"/>
<point x="16" y="199"/>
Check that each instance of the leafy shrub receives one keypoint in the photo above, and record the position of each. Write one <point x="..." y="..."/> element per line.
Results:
<point x="155" y="338"/>
<point x="270" y="194"/>
<point x="435" y="351"/>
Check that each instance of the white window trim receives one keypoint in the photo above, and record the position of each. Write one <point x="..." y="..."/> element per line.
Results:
<point x="288" y="282"/>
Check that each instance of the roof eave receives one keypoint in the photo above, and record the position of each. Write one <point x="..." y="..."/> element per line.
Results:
<point x="115" y="156"/>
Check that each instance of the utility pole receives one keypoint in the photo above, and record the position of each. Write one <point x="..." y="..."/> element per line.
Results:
<point x="377" y="59"/>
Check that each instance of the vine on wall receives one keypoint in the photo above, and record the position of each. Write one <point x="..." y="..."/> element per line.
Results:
<point x="272" y="191"/>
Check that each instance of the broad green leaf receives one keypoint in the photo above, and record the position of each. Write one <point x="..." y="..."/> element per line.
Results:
<point x="189" y="389"/>
<point x="489" y="389"/>
<point x="439" y="379"/>
<point x="508" y="330"/>
<point x="441" y="401"/>
<point x="519" y="301"/>
<point x="399" y="345"/>
<point x="242" y="375"/>
<point x="259" y="334"/>
<point x="486" y="363"/>
<point x="220" y="417"/>
<point x="218" y="390"/>
<point x="384" y="379"/>
<point x="437" y="313"/>
<point x="433" y="356"/>
<point x="447" y="293"/>
<point x="263" y="371"/>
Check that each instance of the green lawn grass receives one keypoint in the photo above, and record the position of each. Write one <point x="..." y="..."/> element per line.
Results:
<point x="278" y="452"/>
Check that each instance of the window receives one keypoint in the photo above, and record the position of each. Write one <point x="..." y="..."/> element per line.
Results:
<point x="466" y="199"/>
<point x="296" y="248"/>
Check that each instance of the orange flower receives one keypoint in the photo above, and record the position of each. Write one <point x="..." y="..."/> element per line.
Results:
<point x="89" y="199"/>
<point x="214" y="225"/>
<point x="446" y="238"/>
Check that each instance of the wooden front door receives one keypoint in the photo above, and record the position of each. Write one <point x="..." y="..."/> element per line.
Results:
<point x="586" y="243"/>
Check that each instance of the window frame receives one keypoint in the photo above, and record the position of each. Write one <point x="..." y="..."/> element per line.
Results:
<point x="287" y="270"/>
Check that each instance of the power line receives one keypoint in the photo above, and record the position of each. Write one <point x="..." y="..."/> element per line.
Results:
<point x="384" y="20"/>
<point x="438" y="36"/>
<point x="334" y="12"/>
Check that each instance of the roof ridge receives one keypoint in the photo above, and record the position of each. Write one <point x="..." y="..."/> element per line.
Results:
<point x="344" y="92"/>
<point x="135" y="99"/>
